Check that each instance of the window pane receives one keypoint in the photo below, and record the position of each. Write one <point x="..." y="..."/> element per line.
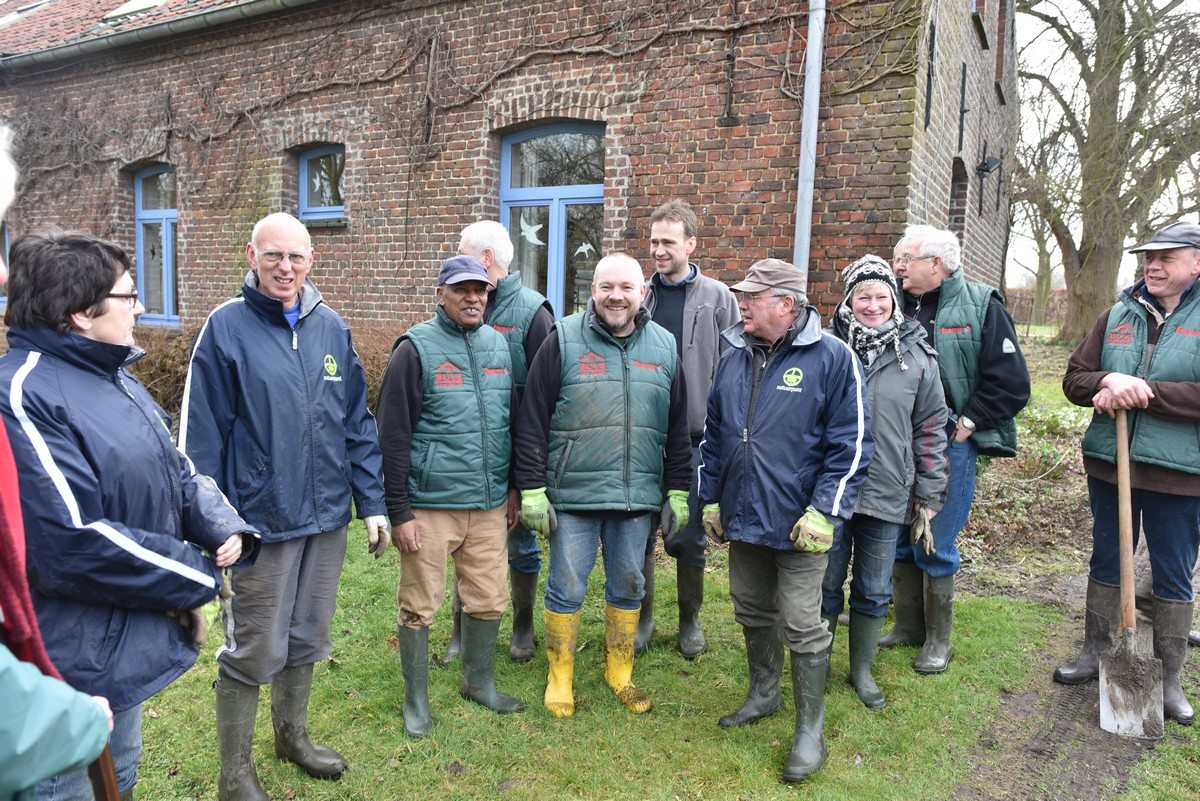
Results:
<point x="558" y="160"/>
<point x="158" y="191"/>
<point x="582" y="251"/>
<point x="529" y="226"/>
<point x="325" y="179"/>
<point x="150" y="265"/>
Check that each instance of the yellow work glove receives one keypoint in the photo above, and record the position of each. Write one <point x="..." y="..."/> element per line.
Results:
<point x="813" y="533"/>
<point x="674" y="513"/>
<point x="921" y="533"/>
<point x="536" y="512"/>
<point x="710" y="517"/>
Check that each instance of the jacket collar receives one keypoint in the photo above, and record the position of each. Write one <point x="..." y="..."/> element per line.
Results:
<point x="271" y="309"/>
<point x="74" y="349"/>
<point x="443" y="321"/>
<point x="808" y="333"/>
<point x="1139" y="295"/>
<point x="690" y="278"/>
<point x="593" y="321"/>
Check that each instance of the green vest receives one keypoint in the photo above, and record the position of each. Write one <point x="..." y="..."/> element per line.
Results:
<point x="461" y="444"/>
<point x="958" y="337"/>
<point x="609" y="427"/>
<point x="513" y="311"/>
<point x="1172" y="444"/>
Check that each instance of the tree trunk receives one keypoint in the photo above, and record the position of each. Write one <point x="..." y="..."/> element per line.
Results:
<point x="1091" y="286"/>
<point x="1042" y="287"/>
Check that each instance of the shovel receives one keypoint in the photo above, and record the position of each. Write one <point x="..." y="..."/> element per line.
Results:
<point x="1131" y="692"/>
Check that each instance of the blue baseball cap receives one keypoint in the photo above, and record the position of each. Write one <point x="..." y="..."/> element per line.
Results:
<point x="458" y="269"/>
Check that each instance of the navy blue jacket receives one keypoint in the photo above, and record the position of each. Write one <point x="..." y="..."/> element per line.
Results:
<point x="279" y="416"/>
<point x="807" y="442"/>
<point x="116" y="519"/>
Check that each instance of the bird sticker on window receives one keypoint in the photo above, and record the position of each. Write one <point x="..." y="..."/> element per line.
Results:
<point x="529" y="232"/>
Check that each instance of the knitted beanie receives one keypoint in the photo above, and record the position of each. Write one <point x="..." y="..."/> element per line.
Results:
<point x="870" y="269"/>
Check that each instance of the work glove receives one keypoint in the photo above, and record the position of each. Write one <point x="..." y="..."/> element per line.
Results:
<point x="813" y="533"/>
<point x="921" y="531"/>
<point x="194" y="622"/>
<point x="674" y="513"/>
<point x="379" y="534"/>
<point x="710" y="518"/>
<point x="536" y="512"/>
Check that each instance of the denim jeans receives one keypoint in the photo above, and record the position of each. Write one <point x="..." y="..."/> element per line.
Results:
<point x="771" y="587"/>
<point x="872" y="544"/>
<point x="1172" y="527"/>
<point x="573" y="554"/>
<point x="126" y="744"/>
<point x="524" y="553"/>
<point x="689" y="544"/>
<point x="960" y="493"/>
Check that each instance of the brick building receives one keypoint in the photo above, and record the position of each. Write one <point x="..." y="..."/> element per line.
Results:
<point x="172" y="125"/>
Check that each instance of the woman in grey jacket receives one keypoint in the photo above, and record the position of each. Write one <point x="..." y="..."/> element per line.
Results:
<point x="907" y="477"/>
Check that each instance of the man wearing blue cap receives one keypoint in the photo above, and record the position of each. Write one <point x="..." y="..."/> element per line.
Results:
<point x="444" y="417"/>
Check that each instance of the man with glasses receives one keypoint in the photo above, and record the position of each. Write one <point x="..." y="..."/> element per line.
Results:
<point x="275" y="409"/>
<point x="986" y="383"/>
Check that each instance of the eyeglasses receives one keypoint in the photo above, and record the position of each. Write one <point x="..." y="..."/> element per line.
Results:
<point x="757" y="297"/>
<point x="906" y="259"/>
<point x="273" y="257"/>
<point x="131" y="298"/>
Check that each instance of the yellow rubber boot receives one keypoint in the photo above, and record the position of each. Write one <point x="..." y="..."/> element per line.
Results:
<point x="620" y="629"/>
<point x="561" y="633"/>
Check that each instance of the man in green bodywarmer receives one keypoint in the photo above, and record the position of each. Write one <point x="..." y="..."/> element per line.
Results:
<point x="601" y="442"/>
<point x="444" y="413"/>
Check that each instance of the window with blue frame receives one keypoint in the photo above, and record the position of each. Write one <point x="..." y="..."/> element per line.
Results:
<point x="322" y="171"/>
<point x="155" y="217"/>
<point x="3" y="287"/>
<point x="552" y="203"/>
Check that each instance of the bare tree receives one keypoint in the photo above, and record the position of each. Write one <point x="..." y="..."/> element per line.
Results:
<point x="1120" y="78"/>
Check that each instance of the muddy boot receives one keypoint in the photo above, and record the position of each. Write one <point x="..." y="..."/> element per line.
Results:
<point x="562" y="630"/>
<point x="237" y="705"/>
<point x="454" y="647"/>
<point x="808" y="691"/>
<point x="831" y="623"/>
<point x="645" y="624"/>
<point x="764" y="653"/>
<point x="1172" y="619"/>
<point x="414" y="664"/>
<point x="127" y="795"/>
<point x="939" y="620"/>
<point x="524" y="587"/>
<point x="479" y="666"/>
<point x="289" y="716"/>
<point x="908" y="597"/>
<point x="1099" y="623"/>
<point x="620" y="626"/>
<point x="689" y="583"/>
<point x="864" y="636"/>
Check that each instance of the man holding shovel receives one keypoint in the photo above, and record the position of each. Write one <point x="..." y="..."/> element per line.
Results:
<point x="1143" y="356"/>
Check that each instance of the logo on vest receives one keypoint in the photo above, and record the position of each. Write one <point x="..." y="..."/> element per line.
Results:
<point x="504" y="329"/>
<point x="1187" y="332"/>
<point x="955" y="329"/>
<point x="331" y="368"/>
<point x="495" y="371"/>
<point x="1120" y="335"/>
<point x="791" y="380"/>
<point x="644" y="365"/>
<point x="447" y="374"/>
<point x="592" y="363"/>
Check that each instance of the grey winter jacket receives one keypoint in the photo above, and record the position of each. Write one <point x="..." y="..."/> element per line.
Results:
<point x="908" y="420"/>
<point x="708" y="309"/>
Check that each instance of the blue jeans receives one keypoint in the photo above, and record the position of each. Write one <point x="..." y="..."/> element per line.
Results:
<point x="960" y="493"/>
<point x="1172" y="527"/>
<point x="573" y="554"/>
<point x="872" y="543"/>
<point x="688" y="546"/>
<point x="126" y="744"/>
<point x="524" y="553"/>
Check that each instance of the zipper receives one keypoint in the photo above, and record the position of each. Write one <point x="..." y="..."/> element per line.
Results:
<point x="1134" y="417"/>
<point x="628" y="431"/>
<point x="308" y="428"/>
<point x="475" y="380"/>
<point x="156" y="423"/>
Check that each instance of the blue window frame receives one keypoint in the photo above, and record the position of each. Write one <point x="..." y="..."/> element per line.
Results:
<point x="3" y="287"/>
<point x="155" y="217"/>
<point x="552" y="203"/>
<point x="322" y="183"/>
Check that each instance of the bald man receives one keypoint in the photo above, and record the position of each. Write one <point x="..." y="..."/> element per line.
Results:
<point x="275" y="409"/>
<point x="601" y="447"/>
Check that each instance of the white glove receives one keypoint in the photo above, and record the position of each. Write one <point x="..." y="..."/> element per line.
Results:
<point x="921" y="532"/>
<point x="379" y="535"/>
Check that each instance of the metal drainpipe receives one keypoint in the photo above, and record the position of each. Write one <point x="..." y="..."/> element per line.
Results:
<point x="174" y="27"/>
<point x="806" y="174"/>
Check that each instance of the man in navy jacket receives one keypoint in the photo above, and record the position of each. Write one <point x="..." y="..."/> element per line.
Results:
<point x="786" y="446"/>
<point x="275" y="409"/>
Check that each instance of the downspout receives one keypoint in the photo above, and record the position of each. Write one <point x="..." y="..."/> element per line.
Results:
<point x="173" y="27"/>
<point x="806" y="175"/>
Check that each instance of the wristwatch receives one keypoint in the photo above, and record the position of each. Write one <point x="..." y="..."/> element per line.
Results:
<point x="967" y="423"/>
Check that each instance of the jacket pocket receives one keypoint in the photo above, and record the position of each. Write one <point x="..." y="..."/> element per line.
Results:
<point x="563" y="460"/>
<point x="427" y="467"/>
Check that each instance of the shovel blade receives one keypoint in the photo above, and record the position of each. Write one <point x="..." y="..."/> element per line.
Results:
<point x="1131" y="693"/>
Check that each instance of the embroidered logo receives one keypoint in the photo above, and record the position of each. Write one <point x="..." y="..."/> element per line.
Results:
<point x="791" y="380"/>
<point x="495" y="371"/>
<point x="955" y="329"/>
<point x="644" y="365"/>
<point x="1121" y="335"/>
<point x="447" y="374"/>
<point x="1008" y="346"/>
<point x="504" y="329"/>
<point x="1187" y="332"/>
<point x="331" y="368"/>
<point x="592" y="363"/>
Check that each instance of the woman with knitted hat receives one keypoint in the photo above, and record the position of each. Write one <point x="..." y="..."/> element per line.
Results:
<point x="907" y="477"/>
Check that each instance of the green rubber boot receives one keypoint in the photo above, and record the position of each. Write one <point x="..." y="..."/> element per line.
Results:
<point x="479" y="666"/>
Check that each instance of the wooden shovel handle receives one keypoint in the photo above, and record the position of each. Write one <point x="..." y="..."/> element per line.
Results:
<point x="104" y="777"/>
<point x="1125" y="523"/>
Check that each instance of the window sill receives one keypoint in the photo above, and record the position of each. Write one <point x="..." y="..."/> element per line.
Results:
<point x="159" y="321"/>
<point x="326" y="222"/>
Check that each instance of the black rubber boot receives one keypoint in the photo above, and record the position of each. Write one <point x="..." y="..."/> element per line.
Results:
<point x="764" y="653"/>
<point x="414" y="663"/>
<point x="1099" y="623"/>
<point x="127" y="795"/>
<point x="1172" y="620"/>
<point x="479" y="666"/>
<point x="524" y="587"/>
<point x="831" y="623"/>
<point x="939" y="621"/>
<point x="808" y="691"/>
<point x="237" y="705"/>
<point x="908" y="597"/>
<point x="1194" y="638"/>
<point x="645" y="626"/>
<point x="454" y="647"/>
<point x="289" y="716"/>
<point x="689" y="583"/>
<point x="864" y="637"/>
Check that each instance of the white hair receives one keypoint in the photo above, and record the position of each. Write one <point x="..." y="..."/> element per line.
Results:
<point x="8" y="170"/>
<point x="935" y="242"/>
<point x="487" y="235"/>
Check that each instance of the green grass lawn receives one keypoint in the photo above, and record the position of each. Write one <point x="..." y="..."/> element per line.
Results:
<point x="914" y="749"/>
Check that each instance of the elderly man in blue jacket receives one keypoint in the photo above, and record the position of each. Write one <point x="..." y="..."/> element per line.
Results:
<point x="275" y="409"/>
<point x="786" y="446"/>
